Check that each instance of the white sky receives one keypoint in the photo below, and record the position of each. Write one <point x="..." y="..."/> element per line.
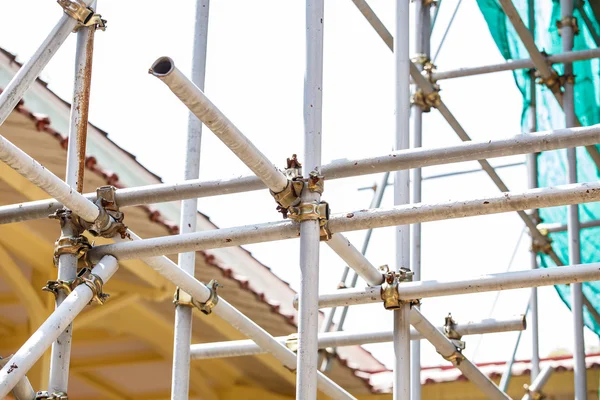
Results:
<point x="255" y="75"/>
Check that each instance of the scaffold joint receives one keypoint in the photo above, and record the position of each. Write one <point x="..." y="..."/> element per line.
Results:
<point x="85" y="277"/>
<point x="451" y="333"/>
<point x="110" y="220"/>
<point x="426" y="101"/>
<point x="312" y="211"/>
<point x="542" y="244"/>
<point x="568" y="20"/>
<point x="290" y="196"/>
<point x="181" y="298"/>
<point x="207" y="306"/>
<point x="42" y="394"/>
<point x="455" y="358"/>
<point x="389" y="288"/>
<point x="76" y="245"/>
<point x="77" y="10"/>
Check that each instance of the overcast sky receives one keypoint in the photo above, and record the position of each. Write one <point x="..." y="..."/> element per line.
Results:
<point x="255" y="75"/>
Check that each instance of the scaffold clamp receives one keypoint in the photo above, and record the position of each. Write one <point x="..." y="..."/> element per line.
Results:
<point x="312" y="211"/>
<point x="42" y="394"/>
<point x="85" y="277"/>
<point x="207" y="306"/>
<point x="533" y="394"/>
<point x="110" y="220"/>
<point x="389" y="287"/>
<point x="568" y="20"/>
<point x="291" y="342"/>
<point x="76" y="245"/>
<point x="451" y="333"/>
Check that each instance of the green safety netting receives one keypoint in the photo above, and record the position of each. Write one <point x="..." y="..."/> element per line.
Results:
<point x="552" y="164"/>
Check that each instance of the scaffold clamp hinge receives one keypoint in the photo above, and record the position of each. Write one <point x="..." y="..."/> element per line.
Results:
<point x="42" y="394"/>
<point x="76" y="245"/>
<point x="77" y="10"/>
<point x="313" y="211"/>
<point x="290" y="196"/>
<point x="426" y="101"/>
<point x="85" y="277"/>
<point x="207" y="306"/>
<point x="389" y="287"/>
<point x="181" y="298"/>
<point x="109" y="222"/>
<point x="451" y="333"/>
<point x="568" y="20"/>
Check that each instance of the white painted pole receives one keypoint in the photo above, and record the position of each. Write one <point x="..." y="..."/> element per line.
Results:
<point x="532" y="172"/>
<point x="169" y="270"/>
<point x="23" y="389"/>
<point x="197" y="102"/>
<point x="29" y="72"/>
<point x="485" y="283"/>
<point x="308" y="315"/>
<point x="394" y="161"/>
<point x="447" y="349"/>
<point x="50" y="330"/>
<point x="402" y="196"/>
<point x="355" y="259"/>
<point x="238" y="348"/>
<point x="180" y="382"/>
<point x="579" y="370"/>
<point x="67" y="263"/>
<point x="535" y="389"/>
<point x="422" y="29"/>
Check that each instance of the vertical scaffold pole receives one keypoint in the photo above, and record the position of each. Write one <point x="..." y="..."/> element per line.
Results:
<point x="308" y="326"/>
<point x="567" y="34"/>
<point x="67" y="263"/>
<point x="189" y="210"/>
<point x="401" y="196"/>
<point x="422" y="49"/>
<point x="532" y="172"/>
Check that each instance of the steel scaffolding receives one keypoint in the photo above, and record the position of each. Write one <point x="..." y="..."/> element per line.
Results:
<point x="298" y="190"/>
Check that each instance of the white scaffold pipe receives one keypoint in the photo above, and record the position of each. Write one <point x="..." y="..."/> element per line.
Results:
<point x="357" y="220"/>
<point x="23" y="389"/>
<point x="180" y="376"/>
<point x="197" y="102"/>
<point x="485" y="283"/>
<point x="394" y="161"/>
<point x="49" y="331"/>
<point x="448" y="350"/>
<point x="512" y="65"/>
<point x="29" y="72"/>
<point x="355" y="259"/>
<point x="535" y="389"/>
<point x="238" y="348"/>
<point x="199" y="292"/>
<point x="558" y="227"/>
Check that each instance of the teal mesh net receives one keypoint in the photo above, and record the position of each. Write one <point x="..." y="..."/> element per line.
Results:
<point x="552" y="164"/>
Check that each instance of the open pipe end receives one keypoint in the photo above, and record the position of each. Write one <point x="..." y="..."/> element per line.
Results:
<point x="524" y="321"/>
<point x="162" y="67"/>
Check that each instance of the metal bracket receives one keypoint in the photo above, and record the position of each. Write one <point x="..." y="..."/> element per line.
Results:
<point x="77" y="245"/>
<point x="85" y="277"/>
<point x="212" y="301"/>
<point x="533" y="394"/>
<point x="290" y="196"/>
<point x="389" y="288"/>
<point x="181" y="298"/>
<point x="312" y="211"/>
<point x="110" y="220"/>
<point x="455" y="358"/>
<point x="568" y="21"/>
<point x="451" y="333"/>
<point x="291" y="342"/>
<point x="42" y="394"/>
<point x="76" y="9"/>
<point x="426" y="101"/>
<point x="96" y="21"/>
<point x="555" y="81"/>
<point x="542" y="245"/>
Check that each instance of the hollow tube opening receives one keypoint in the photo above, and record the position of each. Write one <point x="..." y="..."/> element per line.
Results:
<point x="163" y="66"/>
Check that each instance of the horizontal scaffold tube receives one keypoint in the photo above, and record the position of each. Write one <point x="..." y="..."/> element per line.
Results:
<point x="515" y="64"/>
<point x="197" y="102"/>
<point x="395" y="161"/>
<point x="357" y="220"/>
<point x="485" y="283"/>
<point x="239" y="348"/>
<point x="233" y="316"/>
<point x="50" y="330"/>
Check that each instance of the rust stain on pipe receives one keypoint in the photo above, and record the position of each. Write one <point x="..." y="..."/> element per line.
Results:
<point x="83" y="105"/>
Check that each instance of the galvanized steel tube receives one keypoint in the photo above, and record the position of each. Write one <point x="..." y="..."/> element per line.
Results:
<point x="357" y="220"/>
<point x="29" y="72"/>
<point x="355" y="259"/>
<point x="446" y="349"/>
<point x="485" y="283"/>
<point x="180" y="380"/>
<point x="238" y="348"/>
<point x="397" y="160"/>
<point x="308" y="314"/>
<point x="197" y="102"/>
<point x="50" y="330"/>
<point x="234" y="317"/>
